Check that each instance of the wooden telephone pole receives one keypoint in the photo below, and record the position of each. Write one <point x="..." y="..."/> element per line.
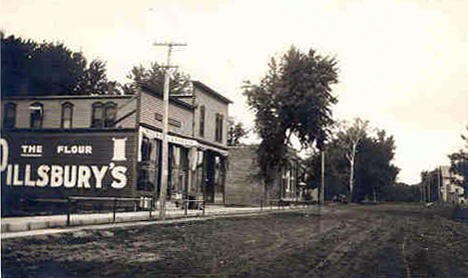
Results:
<point x="164" y="160"/>
<point x="322" y="179"/>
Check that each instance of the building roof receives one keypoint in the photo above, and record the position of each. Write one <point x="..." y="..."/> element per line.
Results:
<point x="212" y="92"/>
<point x="59" y="97"/>
<point x="171" y="100"/>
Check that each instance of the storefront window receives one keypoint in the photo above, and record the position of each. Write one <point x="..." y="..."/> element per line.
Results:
<point x="146" y="147"/>
<point x="148" y="167"/>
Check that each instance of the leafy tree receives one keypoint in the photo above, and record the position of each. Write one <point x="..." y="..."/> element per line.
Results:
<point x="235" y="132"/>
<point x="153" y="78"/>
<point x="459" y="164"/>
<point x="336" y="168"/>
<point x="350" y="136"/>
<point x="401" y="192"/>
<point x="375" y="172"/>
<point x="294" y="97"/>
<point x="30" y="69"/>
<point x="94" y="80"/>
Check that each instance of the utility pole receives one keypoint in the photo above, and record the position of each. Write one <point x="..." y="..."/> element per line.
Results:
<point x="429" y="190"/>
<point x="422" y="190"/>
<point x="439" y="178"/>
<point x="322" y="184"/>
<point x="164" y="160"/>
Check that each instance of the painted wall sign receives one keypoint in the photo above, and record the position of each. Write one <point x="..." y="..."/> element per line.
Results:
<point x="59" y="165"/>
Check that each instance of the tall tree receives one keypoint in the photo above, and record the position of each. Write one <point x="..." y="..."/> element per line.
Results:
<point x="350" y="136"/>
<point x="336" y="169"/>
<point x="94" y="80"/>
<point x="153" y="78"/>
<point x="375" y="172"/>
<point x="459" y="164"/>
<point x="294" y="97"/>
<point x="31" y="68"/>
<point x="236" y="131"/>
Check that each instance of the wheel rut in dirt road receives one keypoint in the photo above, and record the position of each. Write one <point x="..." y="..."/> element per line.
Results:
<point x="319" y="250"/>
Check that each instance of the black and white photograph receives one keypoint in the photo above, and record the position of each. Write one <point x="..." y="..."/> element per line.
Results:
<point x="234" y="138"/>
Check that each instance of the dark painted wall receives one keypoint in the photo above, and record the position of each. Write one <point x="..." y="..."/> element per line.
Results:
<point x="57" y="165"/>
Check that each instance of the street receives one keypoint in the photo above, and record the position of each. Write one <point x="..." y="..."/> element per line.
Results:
<point x="387" y="240"/>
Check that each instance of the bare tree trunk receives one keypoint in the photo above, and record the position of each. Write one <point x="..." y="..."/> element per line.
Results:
<point x="271" y="182"/>
<point x="351" y="158"/>
<point x="351" y="178"/>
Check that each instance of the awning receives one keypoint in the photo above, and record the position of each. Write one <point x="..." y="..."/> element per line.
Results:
<point x="188" y="143"/>
<point x="170" y="138"/>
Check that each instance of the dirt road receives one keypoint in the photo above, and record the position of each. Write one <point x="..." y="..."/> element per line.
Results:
<point x="352" y="241"/>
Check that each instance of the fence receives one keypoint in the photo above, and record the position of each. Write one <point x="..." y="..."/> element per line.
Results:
<point x="282" y="203"/>
<point x="76" y="205"/>
<point x="114" y="204"/>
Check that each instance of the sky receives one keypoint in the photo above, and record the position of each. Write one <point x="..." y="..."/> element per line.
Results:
<point x="403" y="65"/>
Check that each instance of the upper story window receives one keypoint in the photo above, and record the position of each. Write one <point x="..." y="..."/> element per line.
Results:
<point x="67" y="115"/>
<point x="9" y="115"/>
<point x="110" y="114"/>
<point x="202" y="121"/>
<point x="104" y="115"/>
<point x="36" y="112"/>
<point x="219" y="128"/>
<point x="98" y="115"/>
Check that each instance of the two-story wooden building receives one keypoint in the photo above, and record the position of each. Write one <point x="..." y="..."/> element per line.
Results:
<point x="92" y="145"/>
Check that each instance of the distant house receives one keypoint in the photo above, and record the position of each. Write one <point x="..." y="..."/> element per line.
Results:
<point x="451" y="192"/>
<point x="441" y="185"/>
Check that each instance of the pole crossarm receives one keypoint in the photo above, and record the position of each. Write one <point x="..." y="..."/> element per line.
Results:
<point x="170" y="44"/>
<point x="169" y="67"/>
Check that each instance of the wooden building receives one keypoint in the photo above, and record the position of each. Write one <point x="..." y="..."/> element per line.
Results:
<point x="90" y="145"/>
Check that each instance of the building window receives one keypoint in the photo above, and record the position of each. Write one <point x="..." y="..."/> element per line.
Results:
<point x="148" y="168"/>
<point x="170" y="121"/>
<point x="146" y="147"/>
<point x="9" y="115"/>
<point x="219" y="128"/>
<point x="98" y="115"/>
<point x="202" y="121"/>
<point x="67" y="115"/>
<point x="111" y="114"/>
<point x="104" y="115"/>
<point x="36" y="115"/>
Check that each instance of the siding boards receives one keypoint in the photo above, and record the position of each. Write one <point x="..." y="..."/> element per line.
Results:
<point x="212" y="107"/>
<point x="82" y="111"/>
<point x="152" y="105"/>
